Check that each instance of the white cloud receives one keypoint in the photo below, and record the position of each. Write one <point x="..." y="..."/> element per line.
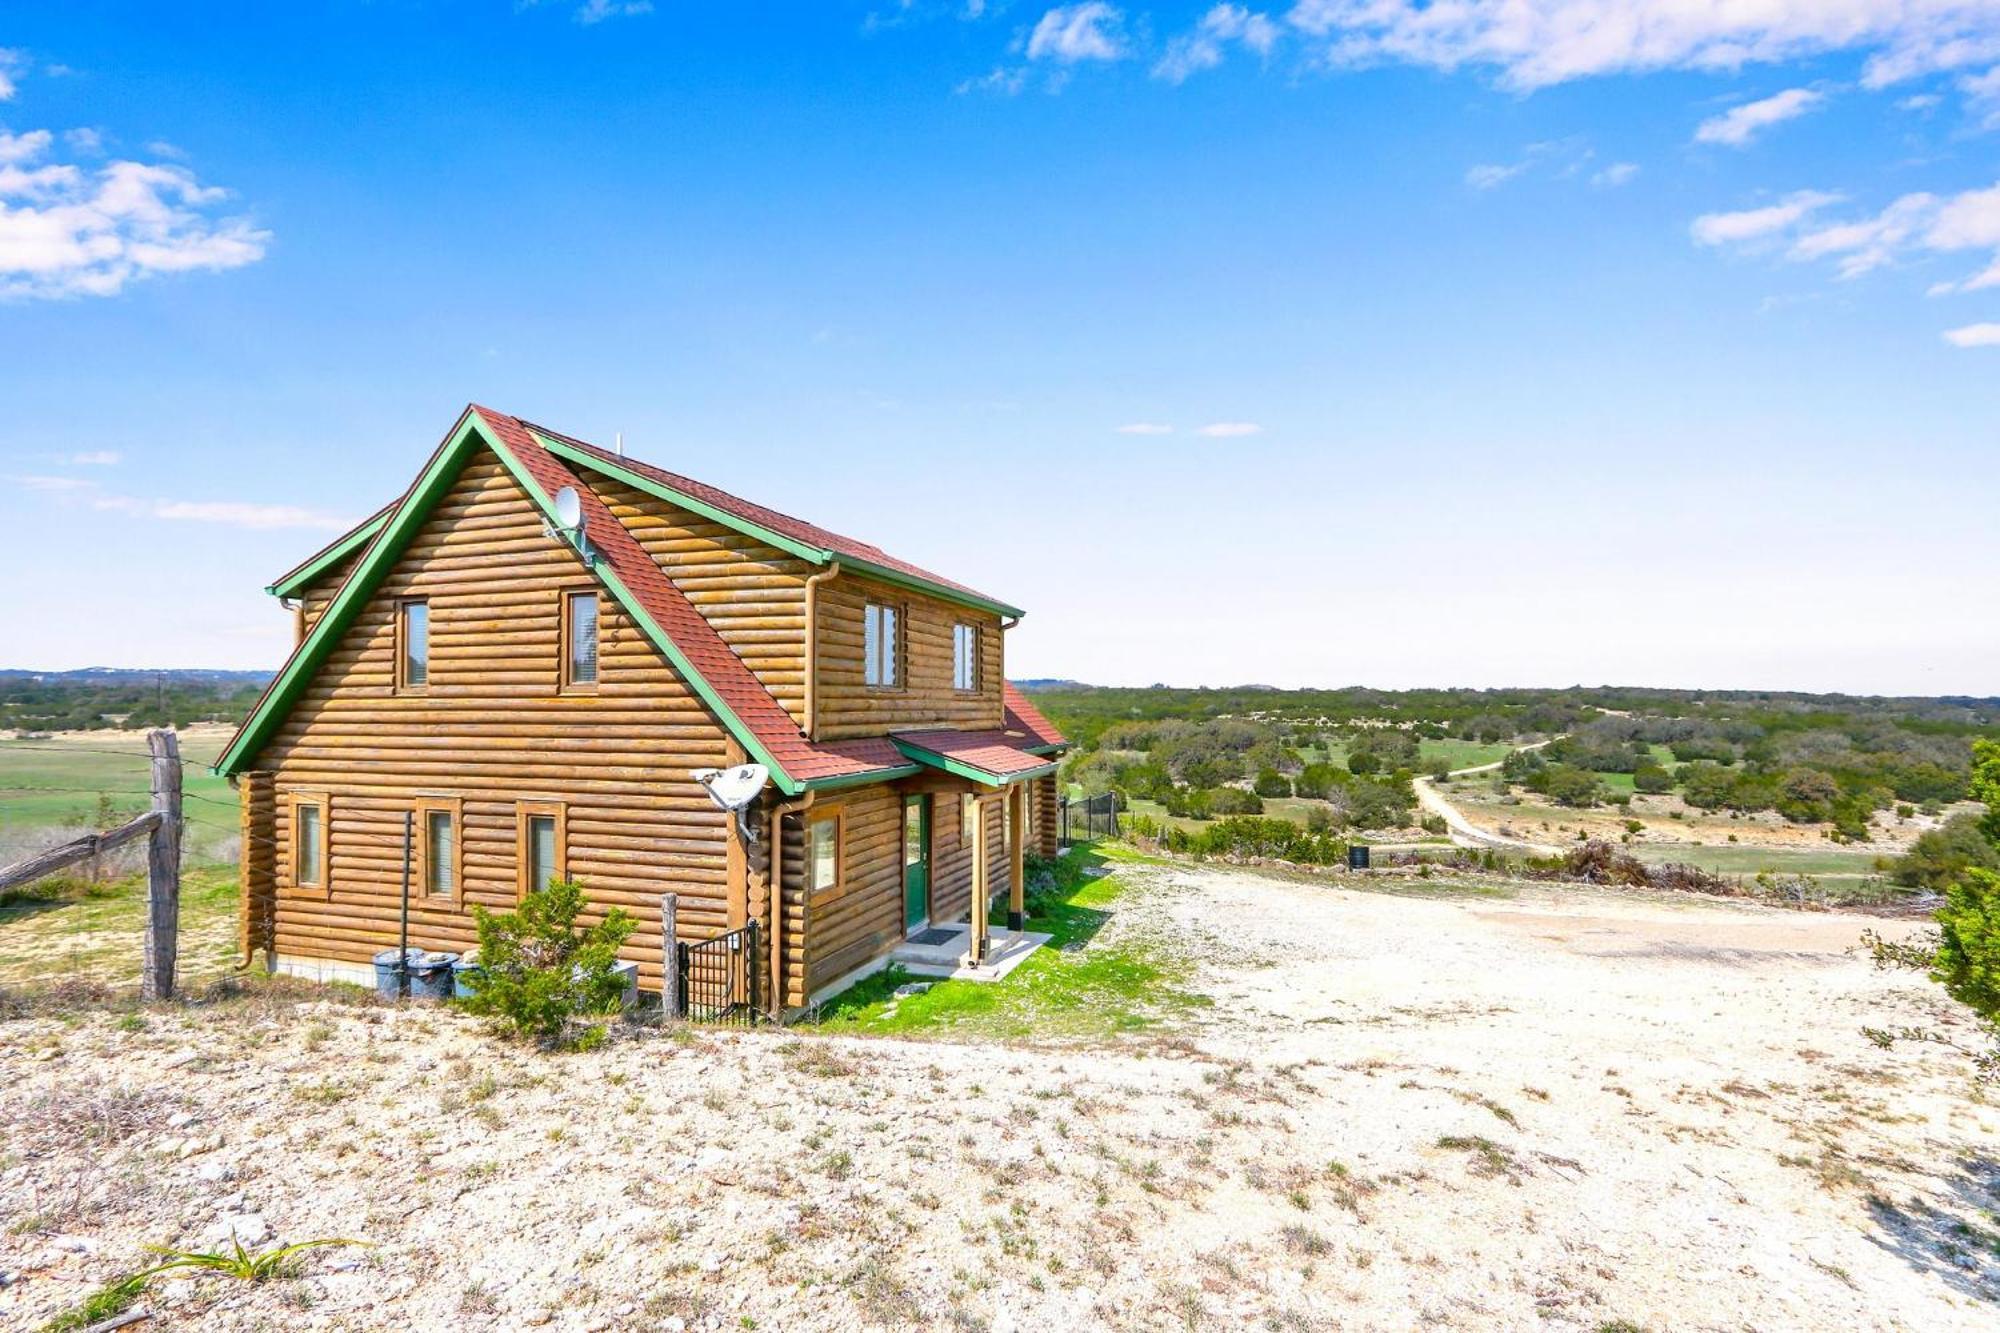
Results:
<point x="229" y="513"/>
<point x="1224" y="430"/>
<point x="12" y="61"/>
<point x="1753" y="224"/>
<point x="1618" y="173"/>
<point x="68" y="232"/>
<point x="596" y="11"/>
<point x="1983" y="92"/>
<point x="1534" y="43"/>
<point x="1072" y="33"/>
<point x="1001" y="79"/>
<point x="1737" y="126"/>
<point x="85" y="140"/>
<point x="1206" y="46"/>
<point x="1870" y="243"/>
<point x="1974" y="335"/>
<point x="95" y="458"/>
<point x="1491" y="175"/>
<point x="1145" y="428"/>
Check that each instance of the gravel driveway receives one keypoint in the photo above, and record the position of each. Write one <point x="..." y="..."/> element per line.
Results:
<point x="1555" y="1110"/>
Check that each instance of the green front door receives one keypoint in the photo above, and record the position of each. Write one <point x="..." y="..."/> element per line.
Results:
<point x="916" y="863"/>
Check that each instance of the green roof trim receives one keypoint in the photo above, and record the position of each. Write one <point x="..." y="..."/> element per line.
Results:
<point x="859" y="779"/>
<point x="398" y="525"/>
<point x="818" y="555"/>
<point x="959" y="768"/>
<point x="290" y="683"/>
<point x="295" y="581"/>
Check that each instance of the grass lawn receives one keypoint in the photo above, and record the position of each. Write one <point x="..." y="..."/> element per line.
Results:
<point x="45" y="783"/>
<point x="1729" y="860"/>
<point x="95" y="933"/>
<point x="1460" y="754"/>
<point x="1094" y="990"/>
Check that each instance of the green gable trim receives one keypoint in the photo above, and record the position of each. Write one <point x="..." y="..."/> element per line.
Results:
<point x="437" y="478"/>
<point x="817" y="555"/>
<point x="960" y="768"/>
<point x="284" y="692"/>
<point x="295" y="582"/>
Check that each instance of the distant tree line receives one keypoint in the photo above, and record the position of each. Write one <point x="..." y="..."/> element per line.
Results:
<point x="56" y="704"/>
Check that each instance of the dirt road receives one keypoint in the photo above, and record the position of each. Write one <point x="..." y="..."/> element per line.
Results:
<point x="1463" y="831"/>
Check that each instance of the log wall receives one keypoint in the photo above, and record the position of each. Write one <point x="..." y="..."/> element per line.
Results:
<point x="493" y="730"/>
<point x="848" y="706"/>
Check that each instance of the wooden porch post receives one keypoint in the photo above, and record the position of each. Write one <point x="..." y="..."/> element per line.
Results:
<point x="1017" y="890"/>
<point x="982" y="883"/>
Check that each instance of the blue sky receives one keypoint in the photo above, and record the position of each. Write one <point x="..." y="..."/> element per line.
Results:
<point x="1332" y="343"/>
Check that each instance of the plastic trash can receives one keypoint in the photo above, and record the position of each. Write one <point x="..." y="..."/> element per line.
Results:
<point x="430" y="974"/>
<point x="385" y="971"/>
<point x="465" y="975"/>
<point x="630" y="972"/>
<point x="1357" y="856"/>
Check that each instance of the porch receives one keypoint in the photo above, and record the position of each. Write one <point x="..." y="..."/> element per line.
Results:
<point x="945" y="951"/>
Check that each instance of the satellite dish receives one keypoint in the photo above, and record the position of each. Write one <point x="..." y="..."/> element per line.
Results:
<point x="734" y="789"/>
<point x="569" y="509"/>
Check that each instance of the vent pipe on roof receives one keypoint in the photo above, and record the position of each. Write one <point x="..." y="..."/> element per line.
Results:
<point x="618" y="444"/>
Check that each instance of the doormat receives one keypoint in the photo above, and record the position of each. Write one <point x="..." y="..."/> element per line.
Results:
<point x="936" y="935"/>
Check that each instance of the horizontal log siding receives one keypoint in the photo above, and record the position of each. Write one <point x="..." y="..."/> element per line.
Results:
<point x="752" y="593"/>
<point x="316" y="596"/>
<point x="848" y="707"/>
<point x="951" y="850"/>
<point x="863" y="919"/>
<point x="493" y="730"/>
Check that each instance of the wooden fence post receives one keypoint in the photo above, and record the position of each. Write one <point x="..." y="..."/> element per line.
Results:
<point x="163" y="868"/>
<point x="670" y="975"/>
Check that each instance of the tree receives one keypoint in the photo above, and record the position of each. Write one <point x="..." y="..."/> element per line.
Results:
<point x="1270" y="782"/>
<point x="539" y="971"/>
<point x="1362" y="763"/>
<point x="1707" y="784"/>
<point x="1652" y="779"/>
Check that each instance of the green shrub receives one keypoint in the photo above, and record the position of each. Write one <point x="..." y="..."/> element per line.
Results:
<point x="1235" y="801"/>
<point x="539" y="971"/>
<point x="1271" y="783"/>
<point x="1652" y="779"/>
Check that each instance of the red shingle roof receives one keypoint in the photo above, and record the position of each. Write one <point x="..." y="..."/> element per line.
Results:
<point x="996" y="753"/>
<point x="717" y="664"/>
<point x="797" y="529"/>
<point x="1023" y="716"/>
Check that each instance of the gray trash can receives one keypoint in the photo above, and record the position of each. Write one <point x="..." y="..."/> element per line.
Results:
<point x="430" y="974"/>
<point x="465" y="975"/>
<point x="385" y="971"/>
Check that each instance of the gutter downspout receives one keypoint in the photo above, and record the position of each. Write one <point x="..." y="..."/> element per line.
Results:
<point x="1006" y="623"/>
<point x="776" y="895"/>
<point x="832" y="571"/>
<point x="297" y="606"/>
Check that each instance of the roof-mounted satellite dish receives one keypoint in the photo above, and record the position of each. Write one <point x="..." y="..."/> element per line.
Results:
<point x="734" y="789"/>
<point x="568" y="521"/>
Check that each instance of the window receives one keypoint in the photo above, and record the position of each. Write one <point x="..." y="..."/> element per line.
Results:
<point x="438" y="850"/>
<point x="544" y="850"/>
<point x="579" y="636"/>
<point x="879" y="647"/>
<point x="965" y="657"/>
<point x="823" y="855"/>
<point x="413" y="646"/>
<point x="309" y="842"/>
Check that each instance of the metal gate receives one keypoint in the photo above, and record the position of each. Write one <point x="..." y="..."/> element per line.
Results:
<point x="721" y="981"/>
<point x="1089" y="819"/>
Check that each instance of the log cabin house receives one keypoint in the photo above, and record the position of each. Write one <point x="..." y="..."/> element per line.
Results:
<point x="538" y="699"/>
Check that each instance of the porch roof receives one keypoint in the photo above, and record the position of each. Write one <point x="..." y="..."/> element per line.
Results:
<point x="991" y="758"/>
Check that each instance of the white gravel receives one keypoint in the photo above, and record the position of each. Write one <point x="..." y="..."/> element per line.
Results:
<point x="1563" y="1110"/>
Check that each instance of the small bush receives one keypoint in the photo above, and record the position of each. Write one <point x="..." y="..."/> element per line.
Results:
<point x="539" y="971"/>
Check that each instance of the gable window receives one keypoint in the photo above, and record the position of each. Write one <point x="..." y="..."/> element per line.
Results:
<point x="823" y="855"/>
<point x="879" y="647"/>
<point x="438" y="849"/>
<point x="965" y="657"/>
<point x="309" y="842"/>
<point x="544" y="851"/>
<point x="579" y="637"/>
<point x="413" y="645"/>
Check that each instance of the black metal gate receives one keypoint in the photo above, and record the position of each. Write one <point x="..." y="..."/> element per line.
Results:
<point x="721" y="981"/>
<point x="1089" y="819"/>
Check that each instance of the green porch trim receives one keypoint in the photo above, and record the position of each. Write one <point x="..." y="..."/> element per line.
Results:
<point x="817" y="555"/>
<point x="295" y="580"/>
<point x="972" y="773"/>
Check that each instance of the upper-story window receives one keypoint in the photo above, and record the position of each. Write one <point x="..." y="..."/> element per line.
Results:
<point x="579" y="634"/>
<point x="881" y="665"/>
<point x="413" y="646"/>
<point x="965" y="657"/>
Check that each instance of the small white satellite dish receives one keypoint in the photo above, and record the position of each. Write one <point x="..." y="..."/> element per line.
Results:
<point x="569" y="509"/>
<point x="734" y="789"/>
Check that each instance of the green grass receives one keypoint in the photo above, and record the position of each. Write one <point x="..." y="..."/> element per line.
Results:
<point x="104" y="1303"/>
<point x="48" y="783"/>
<point x="1460" y="754"/>
<point x="96" y="932"/>
<point x="1095" y="992"/>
